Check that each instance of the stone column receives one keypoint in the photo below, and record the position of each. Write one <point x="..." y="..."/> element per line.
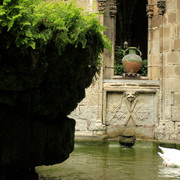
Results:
<point x="154" y="64"/>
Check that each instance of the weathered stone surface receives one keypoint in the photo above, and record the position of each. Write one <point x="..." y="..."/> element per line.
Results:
<point x="178" y="5"/>
<point x="177" y="70"/>
<point x="172" y="84"/>
<point x="155" y="72"/>
<point x="168" y="71"/>
<point x="178" y="17"/>
<point x="177" y="30"/>
<point x="177" y="98"/>
<point x="163" y="65"/>
<point x="171" y="17"/>
<point x="177" y="128"/>
<point x="177" y="44"/>
<point x="171" y="5"/>
<point x="176" y="113"/>
<point x="173" y="57"/>
<point x="166" y="32"/>
<point x="166" y="44"/>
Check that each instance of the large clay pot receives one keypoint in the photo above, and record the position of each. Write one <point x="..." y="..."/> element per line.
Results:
<point x="132" y="62"/>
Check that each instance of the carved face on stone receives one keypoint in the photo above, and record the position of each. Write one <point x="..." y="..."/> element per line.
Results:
<point x="131" y="95"/>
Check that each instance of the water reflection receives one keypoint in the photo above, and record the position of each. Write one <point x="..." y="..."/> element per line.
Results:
<point x="94" y="161"/>
<point x="169" y="172"/>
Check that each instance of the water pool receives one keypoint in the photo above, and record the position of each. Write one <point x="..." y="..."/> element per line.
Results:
<point x="110" y="161"/>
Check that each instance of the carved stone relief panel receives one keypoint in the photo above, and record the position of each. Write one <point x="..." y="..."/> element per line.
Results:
<point x="130" y="109"/>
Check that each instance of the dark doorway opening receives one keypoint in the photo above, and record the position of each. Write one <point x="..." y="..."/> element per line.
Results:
<point x="131" y="26"/>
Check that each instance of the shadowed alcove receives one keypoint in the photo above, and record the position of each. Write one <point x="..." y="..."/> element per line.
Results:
<point x="131" y="26"/>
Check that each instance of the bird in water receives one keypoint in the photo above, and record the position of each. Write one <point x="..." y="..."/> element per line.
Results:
<point x="170" y="156"/>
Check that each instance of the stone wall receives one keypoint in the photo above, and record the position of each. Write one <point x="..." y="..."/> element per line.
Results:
<point x="170" y="76"/>
<point x="88" y="114"/>
<point x="158" y="96"/>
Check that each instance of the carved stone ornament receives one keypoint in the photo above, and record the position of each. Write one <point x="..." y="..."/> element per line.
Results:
<point x="112" y="9"/>
<point x="150" y="10"/>
<point x="131" y="101"/>
<point x="101" y="5"/>
<point x="161" y="7"/>
<point x="130" y="95"/>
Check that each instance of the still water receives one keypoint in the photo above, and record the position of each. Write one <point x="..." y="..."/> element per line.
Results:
<point x="110" y="161"/>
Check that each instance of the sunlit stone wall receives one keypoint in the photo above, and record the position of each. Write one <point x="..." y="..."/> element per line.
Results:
<point x="169" y="48"/>
<point x="92" y="114"/>
<point x="88" y="114"/>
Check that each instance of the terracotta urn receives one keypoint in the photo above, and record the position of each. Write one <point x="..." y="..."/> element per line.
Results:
<point x="132" y="61"/>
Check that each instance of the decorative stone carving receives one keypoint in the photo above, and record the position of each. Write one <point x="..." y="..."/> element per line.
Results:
<point x="112" y="9"/>
<point x="143" y="113"/>
<point x="131" y="102"/>
<point x="130" y="95"/>
<point x="101" y="5"/>
<point x="150" y="10"/>
<point x="161" y="7"/>
<point x="130" y="109"/>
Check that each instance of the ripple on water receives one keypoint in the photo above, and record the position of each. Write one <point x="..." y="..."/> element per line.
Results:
<point x="111" y="162"/>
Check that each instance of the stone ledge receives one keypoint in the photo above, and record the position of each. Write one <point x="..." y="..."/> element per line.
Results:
<point x="91" y="138"/>
<point x="123" y="81"/>
<point x="120" y="85"/>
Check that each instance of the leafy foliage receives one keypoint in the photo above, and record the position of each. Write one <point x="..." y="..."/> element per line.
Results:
<point x="49" y="53"/>
<point x="35" y="23"/>
<point x="144" y="68"/>
<point x="118" y="67"/>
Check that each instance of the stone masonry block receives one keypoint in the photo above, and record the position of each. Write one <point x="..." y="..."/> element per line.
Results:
<point x="177" y="98"/>
<point x="168" y="71"/>
<point x="178" y="30"/>
<point x="175" y="113"/>
<point x="167" y="110"/>
<point x="156" y="34"/>
<point x="172" y="17"/>
<point x="173" y="57"/>
<point x="177" y="127"/>
<point x="155" y="73"/>
<point x="155" y="22"/>
<point x="173" y="30"/>
<point x="166" y="32"/>
<point x="166" y="44"/>
<point x="177" y="44"/>
<point x="155" y="46"/>
<point x="177" y="70"/>
<point x="154" y="59"/>
<point x="171" y="5"/>
<point x="165" y="20"/>
<point x="178" y="5"/>
<point x="172" y="84"/>
<point x="178" y="17"/>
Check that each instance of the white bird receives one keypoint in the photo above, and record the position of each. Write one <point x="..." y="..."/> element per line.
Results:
<point x="170" y="156"/>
